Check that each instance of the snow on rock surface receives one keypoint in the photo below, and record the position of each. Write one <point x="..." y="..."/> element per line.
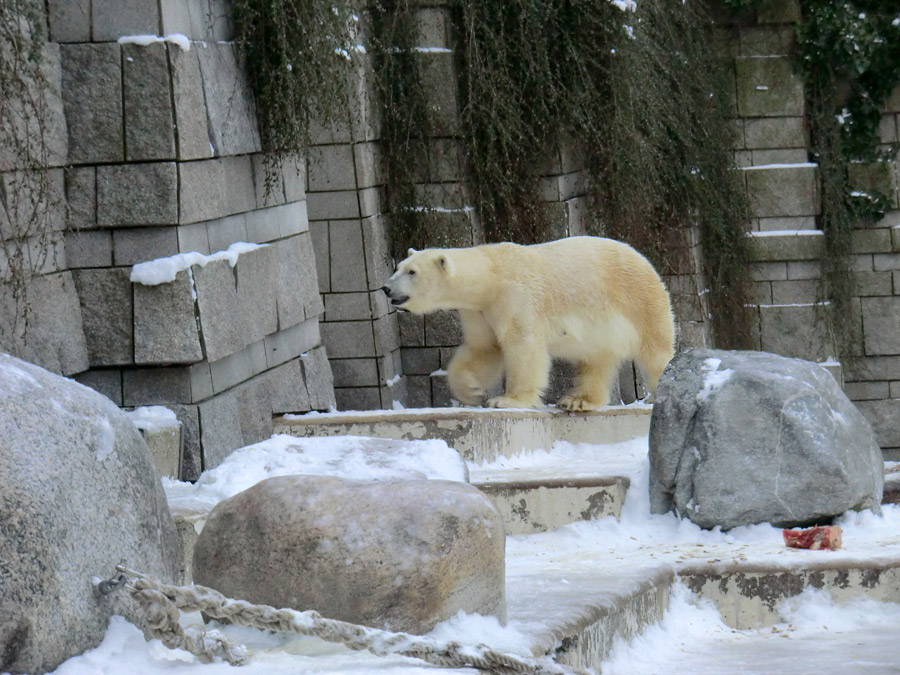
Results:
<point x="164" y="270"/>
<point x="181" y="41"/>
<point x="352" y="457"/>
<point x="153" y="418"/>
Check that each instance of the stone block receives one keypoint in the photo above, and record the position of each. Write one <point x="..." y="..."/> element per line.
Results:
<point x="55" y="337"/>
<point x="887" y="129"/>
<point x="895" y="238"/>
<point x="220" y="428"/>
<point x="803" y="269"/>
<point x="782" y="190"/>
<point x="420" y="361"/>
<point x="367" y="160"/>
<point x="293" y="218"/>
<point x="111" y="19"/>
<point x="190" y="105"/>
<point x="135" y="245"/>
<point x="202" y="188"/>
<point x="191" y="453"/>
<point x="149" y="118"/>
<point x="872" y="283"/>
<point x="70" y="20"/>
<point x="293" y="173"/>
<point x="379" y="303"/>
<point x="357" y="398"/>
<point x="32" y="201"/>
<point x="387" y="334"/>
<point x="871" y="241"/>
<point x="238" y="367"/>
<point x="379" y="264"/>
<point x="193" y="237"/>
<point x="331" y="168"/>
<point x="165" y="323"/>
<point x="223" y="232"/>
<point x="333" y="205"/>
<point x="881" y="325"/>
<point x="799" y="331"/>
<point x="240" y="184"/>
<point x="789" y="247"/>
<point x="874" y="177"/>
<point x="794" y="292"/>
<point x="37" y="120"/>
<point x="412" y="329"/>
<point x="873" y="368"/>
<point x="236" y="305"/>
<point x="778" y="11"/>
<point x="287" y="388"/>
<point x="767" y="40"/>
<point x="884" y="416"/>
<point x="763" y="271"/>
<point x="107" y="313"/>
<point x="137" y="194"/>
<point x="233" y="129"/>
<point x="768" y="87"/>
<point x="348" y="256"/>
<point x="263" y="225"/>
<point x="319" y="380"/>
<point x="201" y="381"/>
<point x="106" y="382"/>
<point x="438" y="69"/>
<point x="347" y="307"/>
<point x="369" y="202"/>
<point x="778" y="156"/>
<point x="322" y="248"/>
<point x="164" y="442"/>
<point x="268" y="181"/>
<point x="92" y="100"/>
<point x="81" y="196"/>
<point x="295" y="280"/>
<point x="348" y="339"/>
<point x="443" y="329"/>
<point x="882" y="262"/>
<point x="289" y="343"/>
<point x="155" y="386"/>
<point x="866" y="391"/>
<point x="355" y="372"/>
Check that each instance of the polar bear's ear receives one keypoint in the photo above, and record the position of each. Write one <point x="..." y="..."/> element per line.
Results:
<point x="443" y="263"/>
<point x="411" y="251"/>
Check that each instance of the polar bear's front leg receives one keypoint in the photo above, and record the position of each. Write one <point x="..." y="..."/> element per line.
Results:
<point x="527" y="364"/>
<point x="473" y="372"/>
<point x="591" y="391"/>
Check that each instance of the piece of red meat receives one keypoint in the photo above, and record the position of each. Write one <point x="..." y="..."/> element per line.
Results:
<point x="814" y="538"/>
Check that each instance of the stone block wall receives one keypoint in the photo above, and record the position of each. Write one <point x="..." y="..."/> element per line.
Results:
<point x="790" y="309"/>
<point x="159" y="155"/>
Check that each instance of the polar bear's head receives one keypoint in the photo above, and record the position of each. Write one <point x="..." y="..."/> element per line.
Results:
<point x="420" y="283"/>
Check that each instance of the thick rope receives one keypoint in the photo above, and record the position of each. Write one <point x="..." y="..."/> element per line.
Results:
<point x="161" y="604"/>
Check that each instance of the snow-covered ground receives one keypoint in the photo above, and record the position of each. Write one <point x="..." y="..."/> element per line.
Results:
<point x="553" y="574"/>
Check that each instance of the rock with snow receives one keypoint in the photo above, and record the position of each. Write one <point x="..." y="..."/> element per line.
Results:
<point x="400" y="554"/>
<point x="749" y="437"/>
<point x="78" y="494"/>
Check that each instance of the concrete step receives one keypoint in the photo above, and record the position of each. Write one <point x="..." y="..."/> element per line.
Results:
<point x="480" y="435"/>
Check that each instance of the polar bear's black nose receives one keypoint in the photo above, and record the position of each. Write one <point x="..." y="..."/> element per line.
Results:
<point x="386" y="289"/>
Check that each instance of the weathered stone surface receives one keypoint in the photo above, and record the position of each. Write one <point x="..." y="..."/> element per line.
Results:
<point x="348" y="259"/>
<point x="111" y="19"/>
<point x="81" y="196"/>
<point x="135" y="245"/>
<point x="229" y="101"/>
<point x="297" y="283"/>
<point x="156" y="386"/>
<point x="33" y="203"/>
<point x="401" y="555"/>
<point x="202" y="191"/>
<point x="54" y="338"/>
<point x="768" y="87"/>
<point x="137" y="194"/>
<point x="349" y="339"/>
<point x="785" y="246"/>
<point x="79" y="494"/>
<point x="319" y="381"/>
<point x="92" y="100"/>
<point x="289" y="343"/>
<point x="107" y="382"/>
<point x="782" y="190"/>
<point x="881" y="320"/>
<point x="70" y="20"/>
<point x="234" y="419"/>
<point x="190" y="105"/>
<point x="287" y="388"/>
<point x="165" y="326"/>
<point x="161" y="431"/>
<point x="799" y="331"/>
<point x="149" y="119"/>
<point x="107" y="313"/>
<point x="748" y="437"/>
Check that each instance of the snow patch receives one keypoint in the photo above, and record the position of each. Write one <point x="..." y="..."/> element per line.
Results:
<point x="153" y="418"/>
<point x="713" y="378"/>
<point x="181" y="41"/>
<point x="164" y="270"/>
<point x="106" y="439"/>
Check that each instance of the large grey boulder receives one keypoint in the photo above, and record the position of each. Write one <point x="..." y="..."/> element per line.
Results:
<point x="398" y="554"/>
<point x="750" y="437"/>
<point x="78" y="494"/>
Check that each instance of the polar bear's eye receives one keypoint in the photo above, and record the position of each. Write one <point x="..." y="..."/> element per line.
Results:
<point x="411" y="273"/>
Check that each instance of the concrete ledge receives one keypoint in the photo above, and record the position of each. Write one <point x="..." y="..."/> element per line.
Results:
<point x="479" y="434"/>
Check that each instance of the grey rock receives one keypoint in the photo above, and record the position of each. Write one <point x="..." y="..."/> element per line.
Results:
<point x="92" y="100"/>
<point x="52" y="336"/>
<point x="79" y="494"/>
<point x="229" y="101"/>
<point x="201" y="195"/>
<point x="149" y="118"/>
<point x="135" y="245"/>
<point x="397" y="554"/>
<point x="748" y="437"/>
<point x="81" y="196"/>
<point x="287" y="388"/>
<point x="156" y="386"/>
<point x="70" y="20"/>
<point x="34" y="203"/>
<point x="190" y="106"/>
<point x="319" y="380"/>
<point x="107" y="313"/>
<point x="104" y="381"/>
<point x="111" y="19"/>
<point x="137" y="194"/>
<point x="165" y="325"/>
<point x="191" y="453"/>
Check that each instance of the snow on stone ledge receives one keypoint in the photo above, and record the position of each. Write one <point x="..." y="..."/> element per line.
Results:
<point x="144" y="40"/>
<point x="164" y="270"/>
<point x="153" y="418"/>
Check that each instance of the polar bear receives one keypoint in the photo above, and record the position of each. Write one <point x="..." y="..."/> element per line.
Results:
<point x="590" y="300"/>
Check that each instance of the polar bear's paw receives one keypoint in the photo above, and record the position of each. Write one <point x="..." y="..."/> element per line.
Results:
<point x="575" y="403"/>
<point x="509" y="402"/>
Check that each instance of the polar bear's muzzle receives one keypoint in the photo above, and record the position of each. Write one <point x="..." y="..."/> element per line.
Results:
<point x="395" y="300"/>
